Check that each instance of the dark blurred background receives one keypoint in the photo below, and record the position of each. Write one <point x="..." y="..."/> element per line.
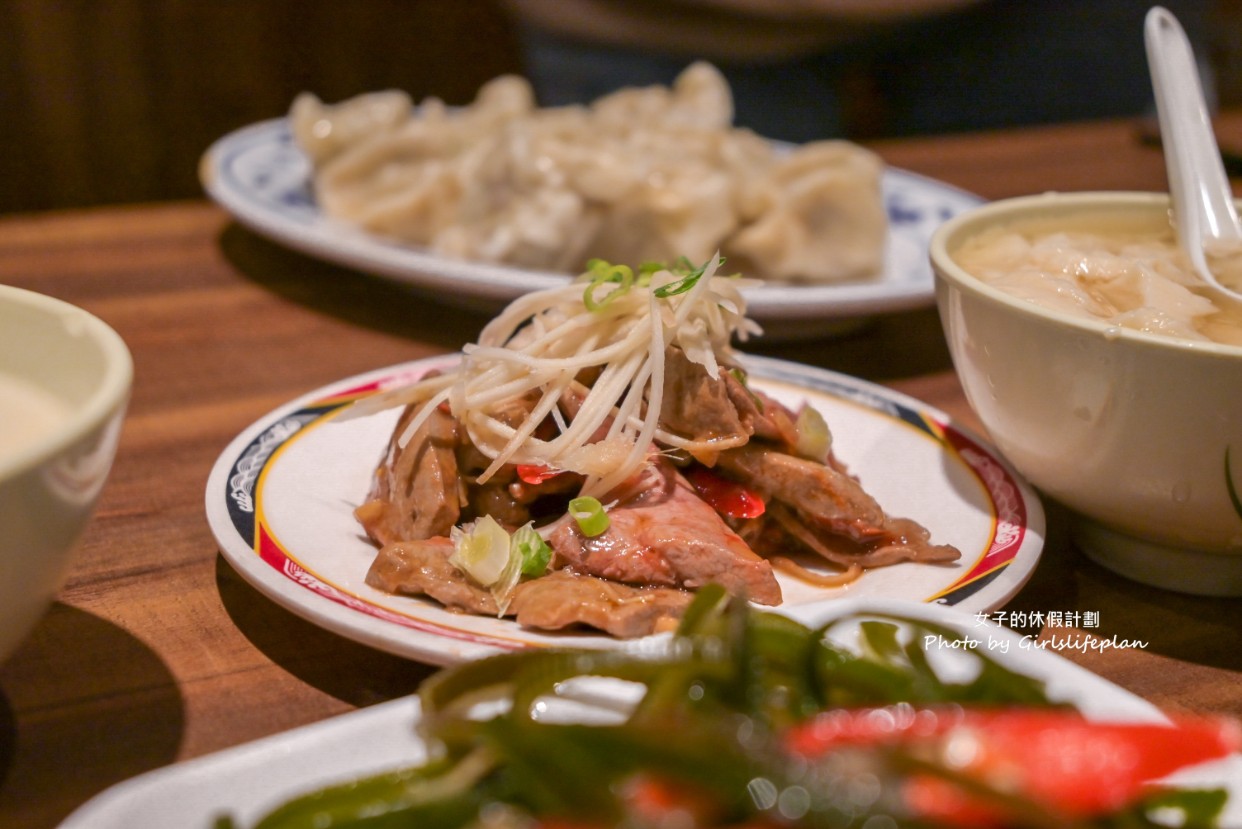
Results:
<point x="107" y="101"/>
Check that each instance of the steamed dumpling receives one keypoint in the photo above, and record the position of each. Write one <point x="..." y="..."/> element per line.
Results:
<point x="642" y="174"/>
<point x="323" y="130"/>
<point x="819" y="216"/>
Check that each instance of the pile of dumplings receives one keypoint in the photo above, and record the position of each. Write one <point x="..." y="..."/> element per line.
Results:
<point x="642" y="174"/>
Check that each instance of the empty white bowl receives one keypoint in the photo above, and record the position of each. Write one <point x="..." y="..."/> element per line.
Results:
<point x="65" y="379"/>
<point x="1138" y="434"/>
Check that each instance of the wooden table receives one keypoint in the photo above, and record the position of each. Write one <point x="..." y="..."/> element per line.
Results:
<point x="157" y="652"/>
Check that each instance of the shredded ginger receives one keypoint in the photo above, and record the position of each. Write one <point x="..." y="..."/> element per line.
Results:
<point x="610" y="324"/>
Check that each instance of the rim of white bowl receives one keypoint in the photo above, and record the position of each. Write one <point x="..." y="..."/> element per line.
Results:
<point x="111" y="394"/>
<point x="1001" y="210"/>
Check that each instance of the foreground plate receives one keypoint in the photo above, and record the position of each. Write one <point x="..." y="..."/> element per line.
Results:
<point x="260" y="176"/>
<point x="249" y="780"/>
<point x="280" y="500"/>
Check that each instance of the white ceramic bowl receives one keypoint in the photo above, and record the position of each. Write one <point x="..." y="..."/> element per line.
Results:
<point x="55" y="355"/>
<point x="1139" y="435"/>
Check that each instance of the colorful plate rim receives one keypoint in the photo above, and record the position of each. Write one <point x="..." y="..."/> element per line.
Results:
<point x="258" y="174"/>
<point x="997" y="565"/>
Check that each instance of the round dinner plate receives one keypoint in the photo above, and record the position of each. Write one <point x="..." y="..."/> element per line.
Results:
<point x="250" y="780"/>
<point x="261" y="177"/>
<point x="280" y="502"/>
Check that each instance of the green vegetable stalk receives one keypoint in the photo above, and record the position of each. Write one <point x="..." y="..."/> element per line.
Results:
<point x="721" y="697"/>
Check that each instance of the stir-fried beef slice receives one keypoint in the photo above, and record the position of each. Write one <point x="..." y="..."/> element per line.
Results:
<point x="470" y="461"/>
<point x="781" y="530"/>
<point x="700" y="407"/>
<point x="665" y="534"/>
<point x="910" y="542"/>
<point x="773" y="421"/>
<point x="617" y="554"/>
<point x="825" y="498"/>
<point x="415" y="492"/>
<point x="563" y="599"/>
<point x="421" y="567"/>
<point x="560" y="484"/>
<point x="823" y="493"/>
<point x="504" y="496"/>
<point x="521" y="494"/>
<point x="496" y="499"/>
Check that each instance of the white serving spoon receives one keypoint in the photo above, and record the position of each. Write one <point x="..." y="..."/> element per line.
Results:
<point x="1203" y="206"/>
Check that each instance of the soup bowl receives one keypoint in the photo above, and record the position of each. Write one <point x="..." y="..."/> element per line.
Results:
<point x="1131" y="423"/>
<point x="65" y="380"/>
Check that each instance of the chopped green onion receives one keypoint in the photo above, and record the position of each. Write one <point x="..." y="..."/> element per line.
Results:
<point x="605" y="273"/>
<point x="493" y="559"/>
<point x="814" y="438"/>
<point x="590" y="515"/>
<point x="600" y="272"/>
<point x="481" y="550"/>
<point x="502" y="589"/>
<point x="688" y="281"/>
<point x="530" y="551"/>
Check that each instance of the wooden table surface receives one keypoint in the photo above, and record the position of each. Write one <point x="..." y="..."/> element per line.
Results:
<point x="156" y="651"/>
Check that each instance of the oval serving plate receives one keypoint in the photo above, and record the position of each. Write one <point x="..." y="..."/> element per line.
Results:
<point x="280" y="502"/>
<point x="260" y="176"/>
<point x="249" y="780"/>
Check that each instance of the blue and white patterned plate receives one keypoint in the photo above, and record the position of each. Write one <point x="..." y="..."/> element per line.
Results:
<point x="250" y="780"/>
<point x="280" y="502"/>
<point x="260" y="176"/>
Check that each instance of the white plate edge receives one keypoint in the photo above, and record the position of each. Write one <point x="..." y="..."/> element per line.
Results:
<point x="124" y="805"/>
<point x="441" y="650"/>
<point x="487" y="281"/>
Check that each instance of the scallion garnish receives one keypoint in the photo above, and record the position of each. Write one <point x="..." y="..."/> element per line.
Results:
<point x="688" y="281"/>
<point x="600" y="272"/>
<point x="590" y="514"/>
<point x="531" y="551"/>
<point x="606" y="273"/>
<point x="481" y="550"/>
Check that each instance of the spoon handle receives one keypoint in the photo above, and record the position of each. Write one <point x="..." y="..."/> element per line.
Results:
<point x="1200" y="190"/>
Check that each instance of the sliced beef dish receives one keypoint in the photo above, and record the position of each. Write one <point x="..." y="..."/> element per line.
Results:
<point x="662" y="533"/>
<point x="669" y="530"/>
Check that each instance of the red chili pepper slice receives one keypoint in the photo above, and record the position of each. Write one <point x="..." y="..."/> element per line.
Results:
<point x="535" y="474"/>
<point x="727" y="497"/>
<point x="1054" y="756"/>
<point x="659" y="801"/>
